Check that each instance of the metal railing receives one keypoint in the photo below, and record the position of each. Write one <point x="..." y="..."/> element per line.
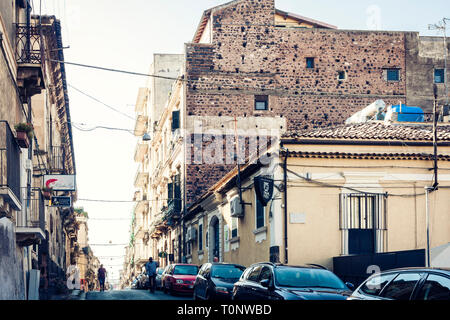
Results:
<point x="28" y="44"/>
<point x="9" y="160"/>
<point x="35" y="212"/>
<point x="57" y="158"/>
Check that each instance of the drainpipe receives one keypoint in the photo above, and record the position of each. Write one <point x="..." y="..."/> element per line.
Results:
<point x="285" y="209"/>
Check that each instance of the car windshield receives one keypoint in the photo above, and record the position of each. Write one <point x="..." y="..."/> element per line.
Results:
<point x="227" y="272"/>
<point x="186" y="270"/>
<point x="160" y="271"/>
<point x="307" y="278"/>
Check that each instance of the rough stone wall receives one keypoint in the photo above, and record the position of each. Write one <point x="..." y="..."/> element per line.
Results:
<point x="249" y="56"/>
<point x="209" y="159"/>
<point x="423" y="56"/>
<point x="11" y="269"/>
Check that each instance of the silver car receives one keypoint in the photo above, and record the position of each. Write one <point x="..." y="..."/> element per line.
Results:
<point x="159" y="272"/>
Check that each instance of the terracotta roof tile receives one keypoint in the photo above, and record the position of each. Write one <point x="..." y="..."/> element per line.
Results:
<point x="376" y="130"/>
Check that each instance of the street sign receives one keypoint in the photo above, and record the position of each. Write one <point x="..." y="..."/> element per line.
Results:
<point x="60" y="182"/>
<point x="264" y="189"/>
<point x="61" y="202"/>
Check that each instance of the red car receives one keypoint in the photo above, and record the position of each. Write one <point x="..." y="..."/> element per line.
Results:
<point x="179" y="278"/>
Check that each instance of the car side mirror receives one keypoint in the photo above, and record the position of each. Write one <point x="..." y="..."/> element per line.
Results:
<point x="266" y="283"/>
<point x="351" y="286"/>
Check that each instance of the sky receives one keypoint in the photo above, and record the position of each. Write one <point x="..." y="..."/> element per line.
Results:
<point x="125" y="35"/>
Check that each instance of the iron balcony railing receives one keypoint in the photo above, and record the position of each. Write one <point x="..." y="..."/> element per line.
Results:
<point x="28" y="44"/>
<point x="35" y="212"/>
<point x="57" y="158"/>
<point x="9" y="160"/>
<point x="174" y="208"/>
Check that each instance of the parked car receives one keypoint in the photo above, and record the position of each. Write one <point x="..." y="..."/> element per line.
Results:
<point x="215" y="281"/>
<point x="406" y="284"/>
<point x="268" y="281"/>
<point x="179" y="278"/>
<point x="158" y="282"/>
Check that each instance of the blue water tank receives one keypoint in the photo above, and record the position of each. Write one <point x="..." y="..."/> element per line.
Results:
<point x="409" y="114"/>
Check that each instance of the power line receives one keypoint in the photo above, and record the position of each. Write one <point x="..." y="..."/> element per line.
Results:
<point x="101" y="102"/>
<point x="126" y="201"/>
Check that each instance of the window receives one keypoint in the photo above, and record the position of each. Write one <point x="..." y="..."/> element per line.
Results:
<point x="393" y="74"/>
<point x="234" y="227"/>
<point x="260" y="214"/>
<point x="342" y="75"/>
<point x="374" y="285"/>
<point x="401" y="287"/>
<point x="310" y="63"/>
<point x="175" y="120"/>
<point x="266" y="274"/>
<point x="200" y="237"/>
<point x="363" y="223"/>
<point x="435" y="288"/>
<point x="439" y="76"/>
<point x="254" y="274"/>
<point x="262" y="103"/>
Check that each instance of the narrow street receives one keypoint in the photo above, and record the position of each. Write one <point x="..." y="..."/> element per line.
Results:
<point x="129" y="294"/>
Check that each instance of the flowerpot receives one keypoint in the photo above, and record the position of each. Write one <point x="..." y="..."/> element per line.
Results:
<point x="22" y="139"/>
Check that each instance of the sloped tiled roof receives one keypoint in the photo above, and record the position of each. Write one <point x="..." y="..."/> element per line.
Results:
<point x="375" y="130"/>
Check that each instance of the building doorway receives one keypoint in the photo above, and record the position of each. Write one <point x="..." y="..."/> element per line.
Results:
<point x="214" y="245"/>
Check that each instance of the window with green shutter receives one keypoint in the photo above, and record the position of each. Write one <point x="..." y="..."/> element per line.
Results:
<point x="175" y="120"/>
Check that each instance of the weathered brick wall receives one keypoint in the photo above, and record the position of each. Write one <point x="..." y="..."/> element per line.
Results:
<point x="202" y="152"/>
<point x="249" y="56"/>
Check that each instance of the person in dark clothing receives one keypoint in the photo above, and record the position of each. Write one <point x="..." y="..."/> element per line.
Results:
<point x="101" y="274"/>
<point x="150" y="268"/>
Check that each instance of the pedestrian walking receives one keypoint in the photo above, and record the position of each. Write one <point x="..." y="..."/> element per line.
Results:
<point x="101" y="274"/>
<point x="150" y="268"/>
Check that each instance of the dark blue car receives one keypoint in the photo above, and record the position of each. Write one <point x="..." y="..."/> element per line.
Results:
<point x="215" y="281"/>
<point x="268" y="281"/>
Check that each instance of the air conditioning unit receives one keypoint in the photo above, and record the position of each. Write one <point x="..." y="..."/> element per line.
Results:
<point x="192" y="234"/>
<point x="236" y="208"/>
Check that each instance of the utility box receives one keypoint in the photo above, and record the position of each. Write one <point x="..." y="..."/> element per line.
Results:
<point x="236" y="208"/>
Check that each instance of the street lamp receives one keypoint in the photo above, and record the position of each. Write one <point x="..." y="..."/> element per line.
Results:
<point x="146" y="137"/>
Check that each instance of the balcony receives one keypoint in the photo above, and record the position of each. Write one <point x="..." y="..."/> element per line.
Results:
<point x="174" y="208"/>
<point x="9" y="171"/>
<point x="141" y="178"/>
<point x="141" y="126"/>
<point x="31" y="230"/>
<point x="29" y="50"/>
<point x="141" y="150"/>
<point x="56" y="159"/>
<point x="141" y="100"/>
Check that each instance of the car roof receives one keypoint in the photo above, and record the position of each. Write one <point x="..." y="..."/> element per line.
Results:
<point x="276" y="265"/>
<point x="226" y="264"/>
<point x="421" y="269"/>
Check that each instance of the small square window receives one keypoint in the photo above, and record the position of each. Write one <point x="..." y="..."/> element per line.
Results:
<point x="439" y="76"/>
<point x="342" y="75"/>
<point x="262" y="103"/>
<point x="393" y="75"/>
<point x="310" y="63"/>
